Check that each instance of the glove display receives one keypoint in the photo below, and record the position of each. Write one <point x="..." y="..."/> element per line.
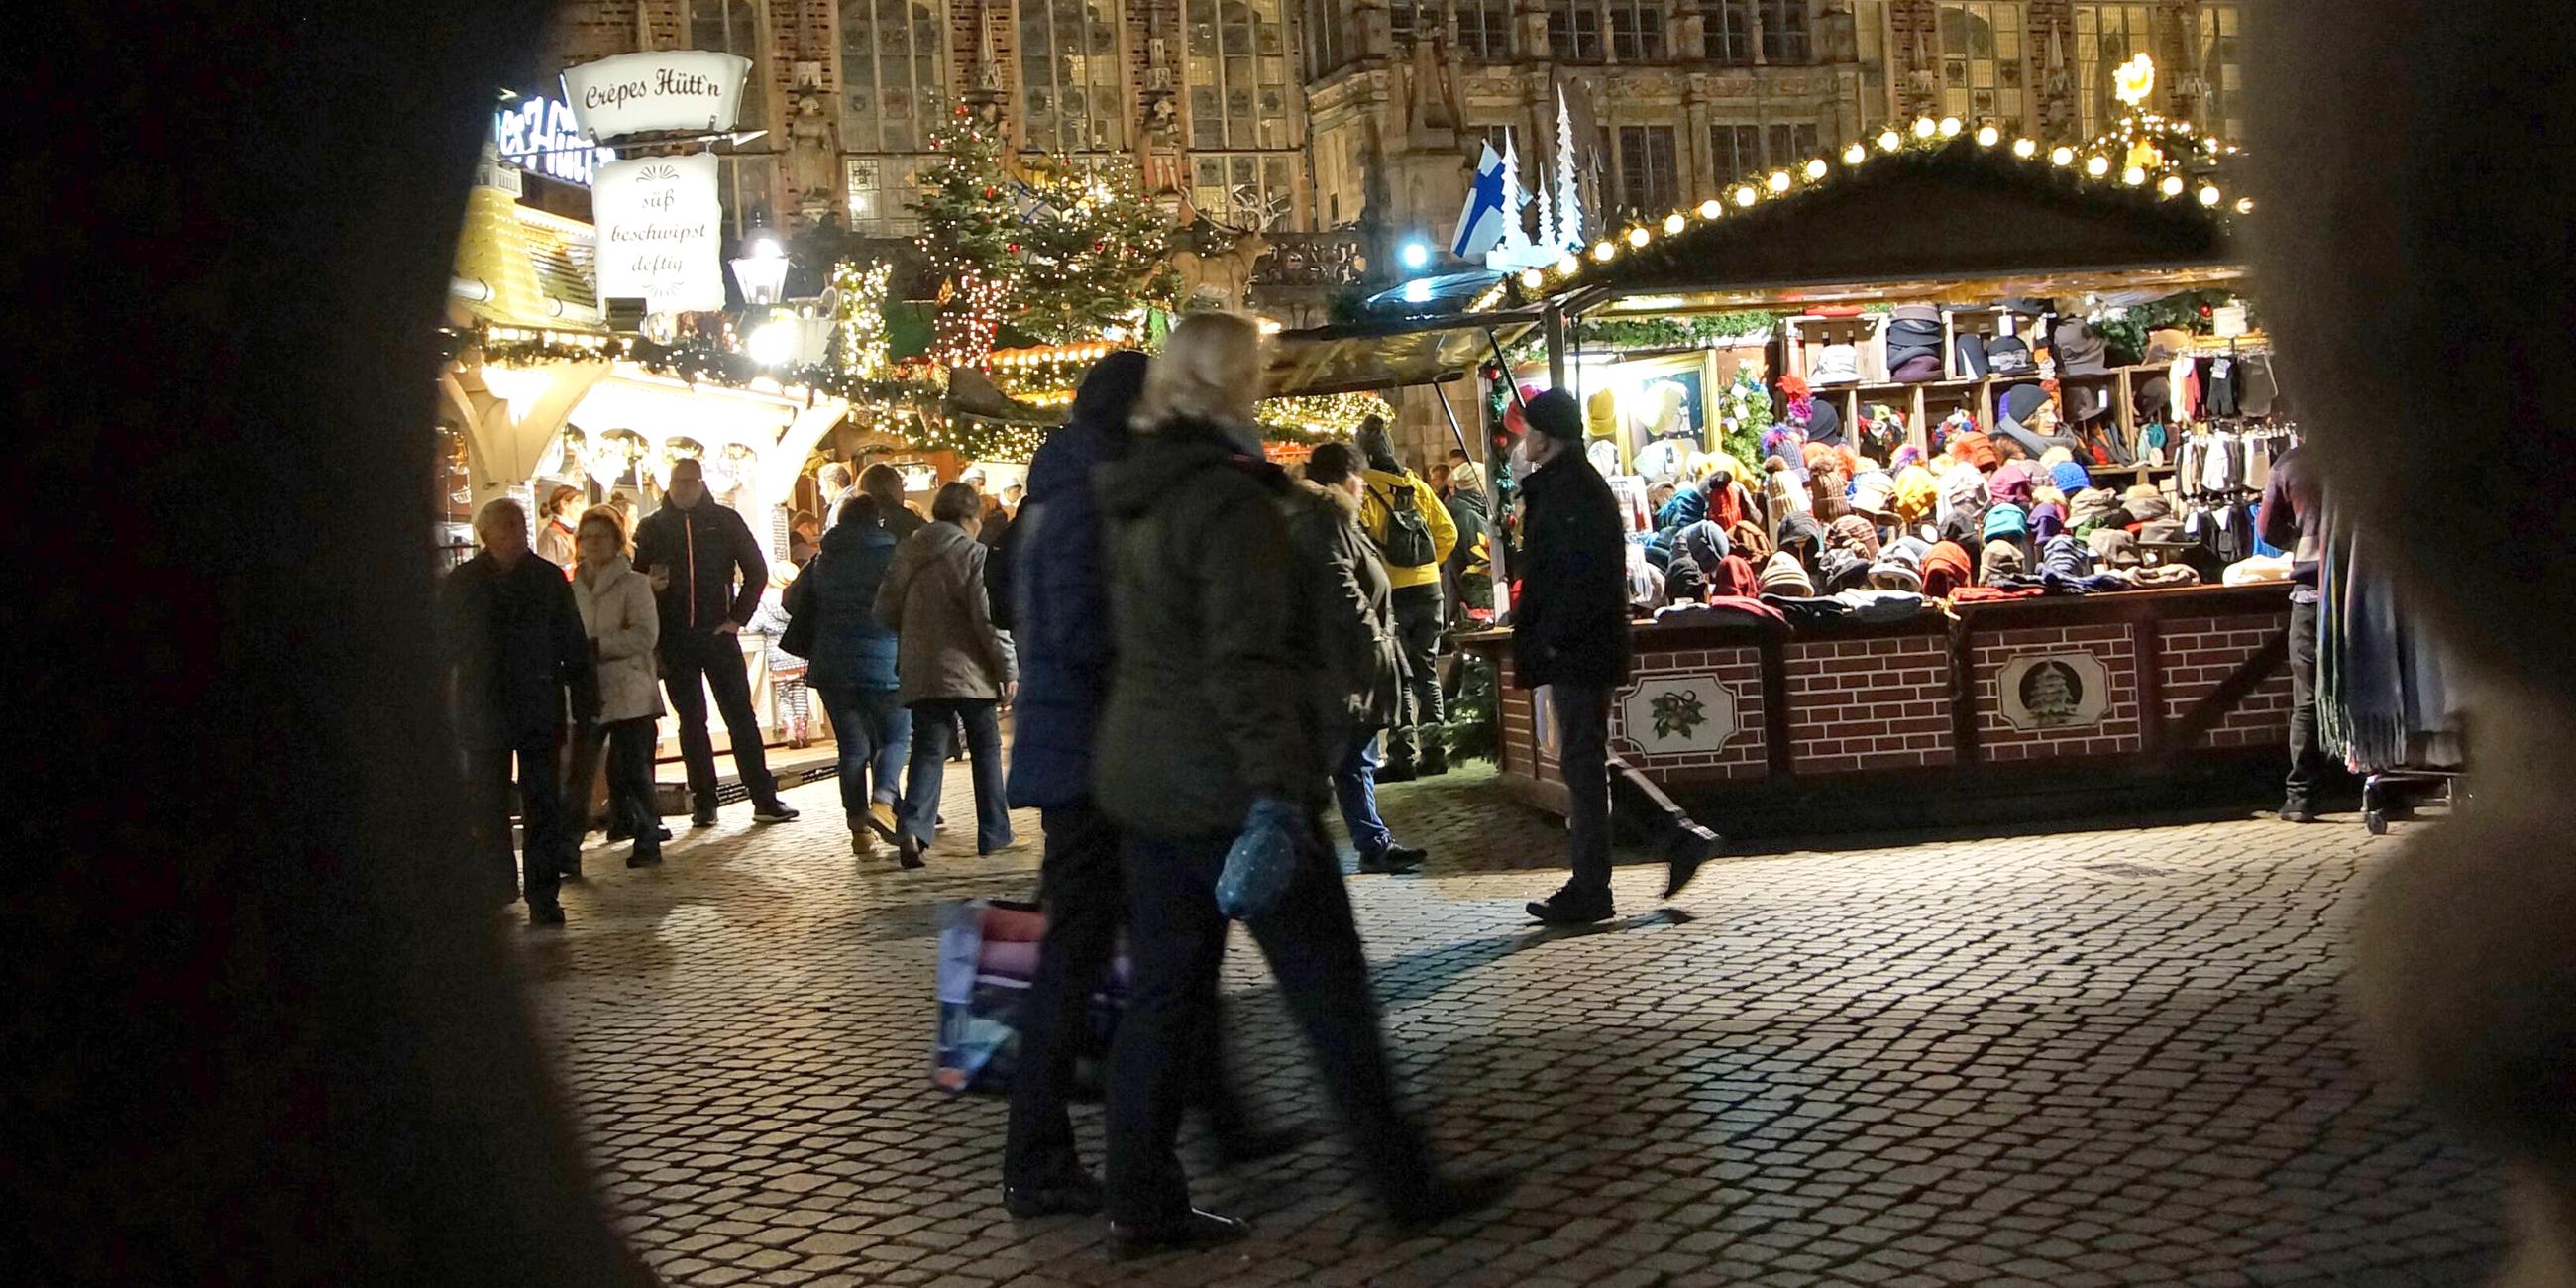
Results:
<point x="1262" y="863"/>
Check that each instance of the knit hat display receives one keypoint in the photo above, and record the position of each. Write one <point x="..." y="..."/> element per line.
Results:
<point x="1854" y="533"/>
<point x="1971" y="349"/>
<point x="1945" y="569"/>
<point x="2047" y="519"/>
<point x="1748" y="540"/>
<point x="2066" y="556"/>
<point x="2164" y="344"/>
<point x="2018" y="403"/>
<point x="1824" y="424"/>
<point x="1704" y="542"/>
<point x="1800" y="536"/>
<point x="1784" y="575"/>
<point x="2151" y="508"/>
<point x="1734" y="577"/>
<point x="2114" y="547"/>
<point x="2006" y="521"/>
<point x="1839" y="569"/>
<point x="2011" y="483"/>
<point x="1900" y="565"/>
<point x="2080" y="350"/>
<point x="2090" y="507"/>
<point x="2071" y="478"/>
<point x="1963" y="491"/>
<point x="1976" y="449"/>
<point x="2009" y="355"/>
<point x="1917" y="493"/>
<point x="1556" y="414"/>
<point x="1835" y="364"/>
<point x="2084" y="401"/>
<point x="2001" y="559"/>
<point x="1872" y="491"/>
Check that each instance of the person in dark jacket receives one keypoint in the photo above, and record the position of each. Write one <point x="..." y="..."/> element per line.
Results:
<point x="1062" y="607"/>
<point x="1212" y="708"/>
<point x="1354" y="611"/>
<point x="517" y="659"/>
<point x="952" y="668"/>
<point x="885" y="483"/>
<point x="853" y="667"/>
<point x="693" y="549"/>
<point x="2289" y="521"/>
<point x="1570" y="634"/>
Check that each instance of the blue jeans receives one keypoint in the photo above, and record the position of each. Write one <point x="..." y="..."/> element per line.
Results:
<point x="1355" y="787"/>
<point x="875" y="736"/>
<point x="934" y="722"/>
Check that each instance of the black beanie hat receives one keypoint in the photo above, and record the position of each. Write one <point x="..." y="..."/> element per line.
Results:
<point x="1555" y="414"/>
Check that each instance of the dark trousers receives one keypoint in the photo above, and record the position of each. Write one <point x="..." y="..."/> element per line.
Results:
<point x="1418" y="623"/>
<point x="488" y="775"/>
<point x="686" y="657"/>
<point x="1583" y="757"/>
<point x="1085" y="903"/>
<point x="2307" y="754"/>
<point x="629" y="747"/>
<point x="934" y="722"/>
<point x="1177" y="938"/>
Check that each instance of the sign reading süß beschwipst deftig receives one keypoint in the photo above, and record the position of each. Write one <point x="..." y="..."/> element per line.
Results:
<point x="658" y="226"/>
<point x="681" y="89"/>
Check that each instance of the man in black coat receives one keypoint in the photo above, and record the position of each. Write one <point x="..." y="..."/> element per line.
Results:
<point x="692" y="548"/>
<point x="515" y="649"/>
<point x="1570" y="634"/>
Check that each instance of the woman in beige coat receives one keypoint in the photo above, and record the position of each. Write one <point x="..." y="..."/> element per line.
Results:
<point x="617" y="611"/>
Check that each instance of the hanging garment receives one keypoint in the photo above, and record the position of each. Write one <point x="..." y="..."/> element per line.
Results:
<point x="2220" y="396"/>
<point x="2255" y="388"/>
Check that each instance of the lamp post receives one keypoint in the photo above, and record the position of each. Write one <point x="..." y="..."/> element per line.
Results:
<point x="761" y="272"/>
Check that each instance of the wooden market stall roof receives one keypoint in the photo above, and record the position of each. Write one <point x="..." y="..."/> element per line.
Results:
<point x="1956" y="218"/>
<point x="1358" y="356"/>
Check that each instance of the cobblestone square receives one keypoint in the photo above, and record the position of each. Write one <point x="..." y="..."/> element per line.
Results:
<point x="2087" y="1058"/>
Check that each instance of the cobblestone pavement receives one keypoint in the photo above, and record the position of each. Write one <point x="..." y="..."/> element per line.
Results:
<point x="2091" y="1058"/>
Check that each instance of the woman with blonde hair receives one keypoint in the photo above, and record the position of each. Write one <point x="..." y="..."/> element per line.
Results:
<point x="618" y="613"/>
<point x="1215" y="727"/>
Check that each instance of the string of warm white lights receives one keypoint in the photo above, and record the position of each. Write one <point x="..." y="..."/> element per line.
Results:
<point x="2129" y="158"/>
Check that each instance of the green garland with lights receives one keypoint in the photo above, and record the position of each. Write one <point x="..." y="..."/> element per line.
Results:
<point x="1676" y="332"/>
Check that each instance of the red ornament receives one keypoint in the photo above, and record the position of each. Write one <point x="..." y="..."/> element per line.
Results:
<point x="990" y="193"/>
<point x="2204" y="310"/>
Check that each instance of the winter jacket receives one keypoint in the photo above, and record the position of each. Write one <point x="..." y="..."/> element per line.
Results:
<point x="703" y="547"/>
<point x="851" y="647"/>
<point x="1060" y="592"/>
<point x="1467" y="516"/>
<point x="933" y="598"/>
<point x="1213" y="694"/>
<point x="514" y="647"/>
<point x="1381" y="485"/>
<point x="1570" y="621"/>
<point x="617" y="611"/>
<point x="1354" y="610"/>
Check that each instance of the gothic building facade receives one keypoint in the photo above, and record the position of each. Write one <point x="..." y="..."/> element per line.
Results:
<point x="1300" y="114"/>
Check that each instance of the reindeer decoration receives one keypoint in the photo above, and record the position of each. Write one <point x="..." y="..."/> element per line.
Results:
<point x="1223" y="276"/>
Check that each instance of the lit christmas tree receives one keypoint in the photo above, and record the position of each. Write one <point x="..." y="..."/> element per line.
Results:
<point x="1097" y="252"/>
<point x="970" y="232"/>
<point x="859" y="330"/>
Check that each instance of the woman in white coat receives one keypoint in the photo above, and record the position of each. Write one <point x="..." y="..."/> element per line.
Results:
<point x="617" y="610"/>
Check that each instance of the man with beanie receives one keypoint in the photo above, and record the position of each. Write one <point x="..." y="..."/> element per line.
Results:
<point x="2289" y="522"/>
<point x="1414" y="535"/>
<point x="1570" y="634"/>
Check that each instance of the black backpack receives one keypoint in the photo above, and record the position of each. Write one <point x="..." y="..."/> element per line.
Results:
<point x="1407" y="543"/>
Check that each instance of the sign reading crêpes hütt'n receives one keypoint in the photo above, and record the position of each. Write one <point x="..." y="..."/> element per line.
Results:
<point x="658" y="223"/>
<point x="680" y="89"/>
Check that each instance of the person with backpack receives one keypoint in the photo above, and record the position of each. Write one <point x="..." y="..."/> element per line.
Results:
<point x="1414" y="535"/>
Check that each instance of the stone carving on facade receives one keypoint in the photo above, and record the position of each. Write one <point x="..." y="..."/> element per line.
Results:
<point x="1837" y="36"/>
<point x="813" y="154"/>
<point x="2057" y="88"/>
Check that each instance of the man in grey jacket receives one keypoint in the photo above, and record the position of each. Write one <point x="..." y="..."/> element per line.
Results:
<point x="951" y="665"/>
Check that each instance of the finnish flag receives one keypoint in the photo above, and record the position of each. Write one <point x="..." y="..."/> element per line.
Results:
<point x="1480" y="221"/>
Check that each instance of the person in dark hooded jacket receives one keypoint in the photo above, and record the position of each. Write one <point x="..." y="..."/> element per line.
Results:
<point x="1354" y="611"/>
<point x="1060" y="600"/>
<point x="853" y="667"/>
<point x="1213" y="708"/>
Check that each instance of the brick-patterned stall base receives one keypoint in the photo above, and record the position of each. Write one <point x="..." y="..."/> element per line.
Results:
<point x="1869" y="704"/>
<point x="1917" y="703"/>
<point x="2117" y="732"/>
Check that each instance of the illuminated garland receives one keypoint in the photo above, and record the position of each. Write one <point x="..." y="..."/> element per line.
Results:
<point x="1320" y="418"/>
<point x="2114" y="162"/>
<point x="860" y="320"/>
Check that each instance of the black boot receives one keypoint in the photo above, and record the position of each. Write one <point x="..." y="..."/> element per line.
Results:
<point x="1572" y="907"/>
<point x="1192" y="1229"/>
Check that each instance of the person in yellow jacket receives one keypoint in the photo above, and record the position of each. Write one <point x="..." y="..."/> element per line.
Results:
<point x="1413" y="533"/>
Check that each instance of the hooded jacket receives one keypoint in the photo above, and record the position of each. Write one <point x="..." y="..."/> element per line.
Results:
<point x="703" y="546"/>
<point x="1060" y="591"/>
<point x="1381" y="486"/>
<point x="1353" y="607"/>
<point x="617" y="610"/>
<point x="514" y="648"/>
<point x="1570" y="623"/>
<point x="1213" y="695"/>
<point x="933" y="598"/>
<point x="852" y="648"/>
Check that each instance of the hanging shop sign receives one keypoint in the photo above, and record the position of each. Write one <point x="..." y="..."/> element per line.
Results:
<point x="540" y="135"/>
<point x="658" y="223"/>
<point x="2054" y="691"/>
<point x="678" y="89"/>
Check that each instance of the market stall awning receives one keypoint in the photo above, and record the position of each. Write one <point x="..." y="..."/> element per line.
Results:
<point x="1970" y="217"/>
<point x="517" y="266"/>
<point x="1356" y="356"/>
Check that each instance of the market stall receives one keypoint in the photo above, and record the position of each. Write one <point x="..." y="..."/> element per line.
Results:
<point x="1939" y="292"/>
